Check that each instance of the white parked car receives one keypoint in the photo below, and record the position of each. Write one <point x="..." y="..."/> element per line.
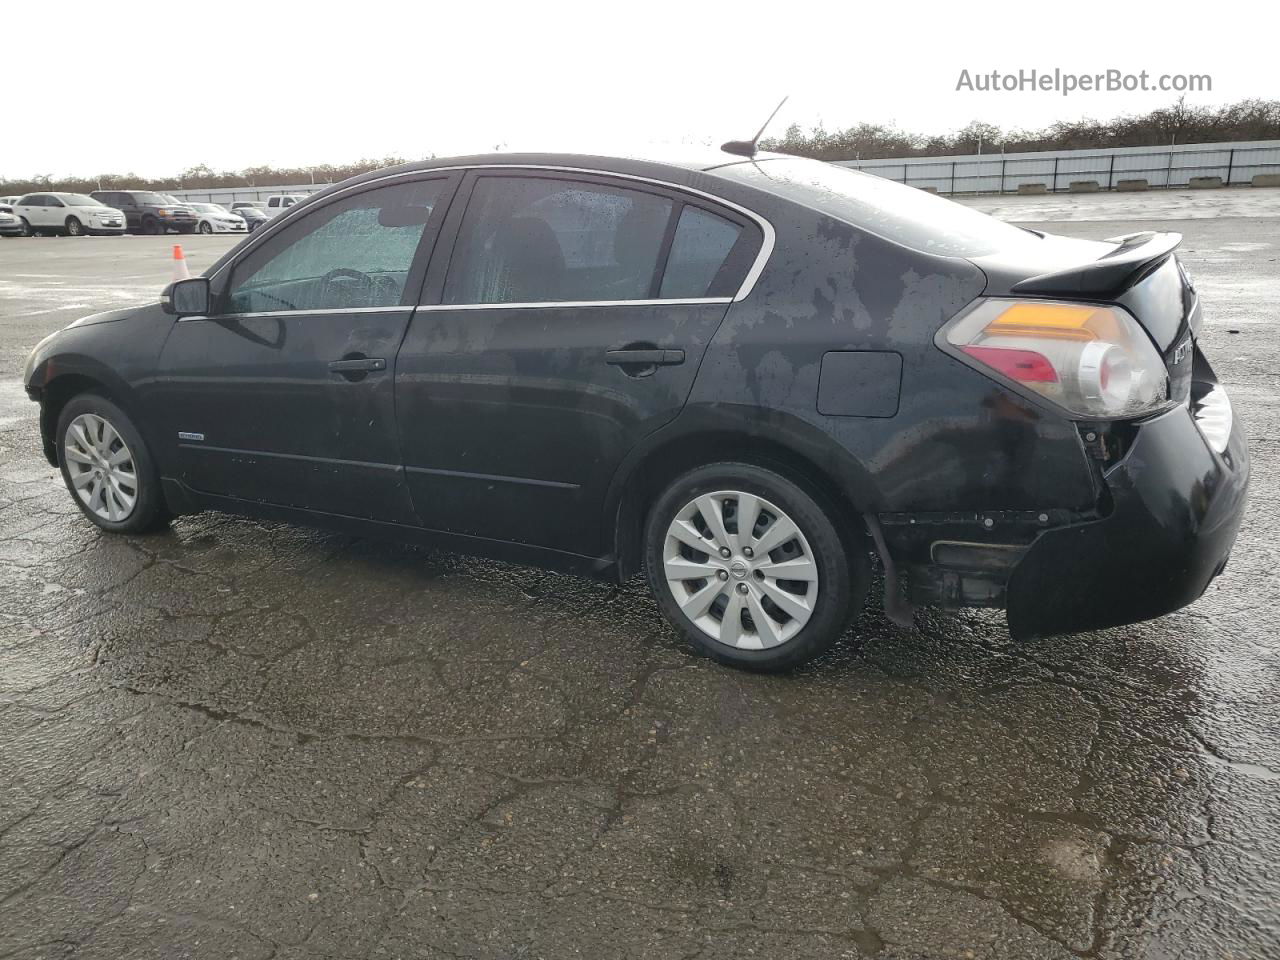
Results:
<point x="9" y="201"/>
<point x="10" y="225"/>
<point x="71" y="213"/>
<point x="215" y="218"/>
<point x="281" y="202"/>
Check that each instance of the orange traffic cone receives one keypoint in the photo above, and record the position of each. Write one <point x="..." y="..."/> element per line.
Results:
<point x="180" y="271"/>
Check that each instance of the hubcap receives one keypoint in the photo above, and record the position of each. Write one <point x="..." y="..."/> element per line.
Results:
<point x="101" y="466"/>
<point x="740" y="569"/>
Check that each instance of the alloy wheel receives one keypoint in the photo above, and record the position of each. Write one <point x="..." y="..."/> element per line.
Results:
<point x="740" y="569"/>
<point x="101" y="466"/>
<point x="74" y="228"/>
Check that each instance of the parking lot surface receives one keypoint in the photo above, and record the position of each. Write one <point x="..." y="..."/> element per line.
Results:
<point x="243" y="739"/>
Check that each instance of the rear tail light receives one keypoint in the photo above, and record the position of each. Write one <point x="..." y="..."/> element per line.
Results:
<point x="1091" y="360"/>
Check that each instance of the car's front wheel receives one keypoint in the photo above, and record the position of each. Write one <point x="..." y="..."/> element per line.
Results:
<point x="206" y="226"/>
<point x="107" y="467"/>
<point x="74" y="227"/>
<point x="26" y="227"/>
<point x="750" y="567"/>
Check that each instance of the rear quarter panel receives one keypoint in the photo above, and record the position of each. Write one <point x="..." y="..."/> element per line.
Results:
<point x="957" y="441"/>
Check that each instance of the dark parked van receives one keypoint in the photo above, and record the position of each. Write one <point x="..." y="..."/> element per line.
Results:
<point x="149" y="212"/>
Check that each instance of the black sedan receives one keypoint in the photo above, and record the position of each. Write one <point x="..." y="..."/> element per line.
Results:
<point x="749" y="377"/>
<point x="253" y="215"/>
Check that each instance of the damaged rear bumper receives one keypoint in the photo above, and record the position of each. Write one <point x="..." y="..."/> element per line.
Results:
<point x="1176" y="504"/>
<point x="1163" y="529"/>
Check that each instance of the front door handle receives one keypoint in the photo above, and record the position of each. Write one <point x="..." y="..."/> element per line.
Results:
<point x="358" y="365"/>
<point x="644" y="357"/>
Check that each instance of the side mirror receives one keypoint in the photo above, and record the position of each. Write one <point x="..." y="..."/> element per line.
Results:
<point x="186" y="298"/>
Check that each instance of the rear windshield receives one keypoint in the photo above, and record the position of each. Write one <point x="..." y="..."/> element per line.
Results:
<point x="895" y="211"/>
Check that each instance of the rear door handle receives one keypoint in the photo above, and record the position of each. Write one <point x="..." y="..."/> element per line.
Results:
<point x="357" y="366"/>
<point x="656" y="358"/>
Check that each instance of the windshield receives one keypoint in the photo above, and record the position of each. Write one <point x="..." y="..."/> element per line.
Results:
<point x="906" y="215"/>
<point x="207" y="207"/>
<point x="154" y="198"/>
<point x="78" y="200"/>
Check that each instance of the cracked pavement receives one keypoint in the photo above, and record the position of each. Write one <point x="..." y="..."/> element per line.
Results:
<point x="247" y="740"/>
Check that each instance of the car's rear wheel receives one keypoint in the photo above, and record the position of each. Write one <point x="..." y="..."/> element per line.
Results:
<point x="107" y="467"/>
<point x="206" y="226"/>
<point x="74" y="227"/>
<point x="750" y="567"/>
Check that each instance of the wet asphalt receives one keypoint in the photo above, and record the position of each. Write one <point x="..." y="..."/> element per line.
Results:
<point x="248" y="740"/>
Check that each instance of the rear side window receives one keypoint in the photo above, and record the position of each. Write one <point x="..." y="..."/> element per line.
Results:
<point x="536" y="240"/>
<point x="699" y="251"/>
<point x="353" y="253"/>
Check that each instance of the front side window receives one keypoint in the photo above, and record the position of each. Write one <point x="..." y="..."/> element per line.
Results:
<point x="536" y="240"/>
<point x="350" y="254"/>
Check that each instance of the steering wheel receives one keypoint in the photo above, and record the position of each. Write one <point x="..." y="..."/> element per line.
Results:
<point x="346" y="273"/>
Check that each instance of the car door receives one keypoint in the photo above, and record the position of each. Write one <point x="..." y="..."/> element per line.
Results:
<point x="53" y="213"/>
<point x="285" y="394"/>
<point x="553" y="342"/>
<point x="29" y="209"/>
<point x="37" y="210"/>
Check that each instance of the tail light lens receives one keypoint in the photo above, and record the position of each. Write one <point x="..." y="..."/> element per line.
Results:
<point x="1091" y="360"/>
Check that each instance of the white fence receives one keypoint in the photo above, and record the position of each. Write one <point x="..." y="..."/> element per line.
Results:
<point x="1173" y="166"/>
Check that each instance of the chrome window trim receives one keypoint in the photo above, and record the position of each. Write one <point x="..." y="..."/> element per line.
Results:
<point x="296" y="313"/>
<point x="539" y="304"/>
<point x="767" y="240"/>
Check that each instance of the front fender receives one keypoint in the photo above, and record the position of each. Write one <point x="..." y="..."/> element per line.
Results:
<point x="116" y="358"/>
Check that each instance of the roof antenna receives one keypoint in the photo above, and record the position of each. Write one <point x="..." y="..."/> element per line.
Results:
<point x="747" y="148"/>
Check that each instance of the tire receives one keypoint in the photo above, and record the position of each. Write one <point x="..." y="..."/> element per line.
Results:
<point x="26" y="227"/>
<point x="151" y="227"/>
<point x="823" y="605"/>
<point x="206" y="227"/>
<point x="185" y="230"/>
<point x="74" y="227"/>
<point x="106" y="504"/>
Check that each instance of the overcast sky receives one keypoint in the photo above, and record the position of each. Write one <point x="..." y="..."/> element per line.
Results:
<point x="155" y="87"/>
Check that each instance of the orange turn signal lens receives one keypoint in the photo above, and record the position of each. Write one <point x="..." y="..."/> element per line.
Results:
<point x="1061" y="321"/>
